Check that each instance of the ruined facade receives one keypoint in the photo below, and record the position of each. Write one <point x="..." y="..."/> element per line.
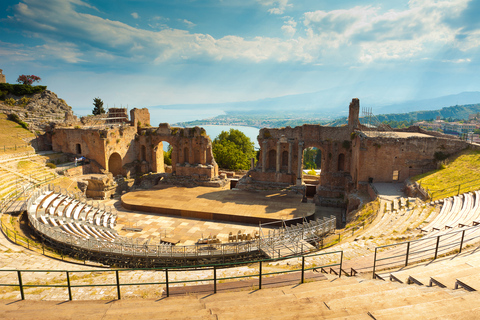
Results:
<point x="129" y="148"/>
<point x="351" y="156"/>
<point x="2" y="77"/>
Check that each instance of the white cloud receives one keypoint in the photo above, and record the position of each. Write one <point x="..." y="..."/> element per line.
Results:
<point x="189" y="24"/>
<point x="134" y="15"/>
<point x="278" y="6"/>
<point x="289" y="27"/>
<point x="358" y="35"/>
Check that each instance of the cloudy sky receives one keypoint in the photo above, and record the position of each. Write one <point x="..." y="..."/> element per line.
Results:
<point x="157" y="52"/>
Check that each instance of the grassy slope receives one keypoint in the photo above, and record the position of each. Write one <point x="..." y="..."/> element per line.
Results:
<point x="11" y="134"/>
<point x="462" y="169"/>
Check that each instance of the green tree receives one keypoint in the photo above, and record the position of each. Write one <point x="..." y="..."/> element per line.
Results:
<point x="233" y="150"/>
<point x="312" y="158"/>
<point x="167" y="156"/>
<point x="98" y="107"/>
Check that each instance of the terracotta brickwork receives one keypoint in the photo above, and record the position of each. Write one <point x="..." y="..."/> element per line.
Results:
<point x="128" y="149"/>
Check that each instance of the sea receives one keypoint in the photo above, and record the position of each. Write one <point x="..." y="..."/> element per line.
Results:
<point x="163" y="115"/>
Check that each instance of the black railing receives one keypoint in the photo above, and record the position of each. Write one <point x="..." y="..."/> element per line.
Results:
<point x="168" y="284"/>
<point x="404" y="253"/>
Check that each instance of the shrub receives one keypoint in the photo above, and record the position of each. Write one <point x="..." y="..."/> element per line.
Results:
<point x="13" y="117"/>
<point x="21" y="89"/>
<point x="312" y="172"/>
<point x="24" y="100"/>
<point x="51" y="165"/>
<point x="439" y="156"/>
<point x="10" y="102"/>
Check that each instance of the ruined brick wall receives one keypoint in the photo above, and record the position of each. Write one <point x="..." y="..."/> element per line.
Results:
<point x="383" y="159"/>
<point x="2" y="77"/>
<point x="141" y="116"/>
<point x="88" y="141"/>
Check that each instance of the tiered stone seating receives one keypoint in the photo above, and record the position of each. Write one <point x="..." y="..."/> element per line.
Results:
<point x="442" y="272"/>
<point x="73" y="217"/>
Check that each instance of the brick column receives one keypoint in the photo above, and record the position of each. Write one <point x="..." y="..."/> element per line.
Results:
<point x="300" y="164"/>
<point x="279" y="153"/>
<point x="264" y="155"/>
<point x="290" y="150"/>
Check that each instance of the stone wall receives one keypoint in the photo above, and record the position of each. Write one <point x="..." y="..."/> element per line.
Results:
<point x="127" y="149"/>
<point x="2" y="77"/>
<point x="392" y="159"/>
<point x="141" y="116"/>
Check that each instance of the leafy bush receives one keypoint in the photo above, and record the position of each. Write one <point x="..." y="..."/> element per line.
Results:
<point x="13" y="117"/>
<point x="21" y="89"/>
<point x="24" y="100"/>
<point x="51" y="165"/>
<point x="10" y="102"/>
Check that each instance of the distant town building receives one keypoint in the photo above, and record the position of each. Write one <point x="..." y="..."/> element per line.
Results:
<point x="459" y="128"/>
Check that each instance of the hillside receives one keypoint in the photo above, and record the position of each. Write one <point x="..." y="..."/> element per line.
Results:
<point x="39" y="110"/>
<point x="13" y="138"/>
<point x="458" y="174"/>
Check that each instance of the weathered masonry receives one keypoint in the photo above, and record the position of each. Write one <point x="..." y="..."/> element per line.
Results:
<point x="135" y="147"/>
<point x="351" y="156"/>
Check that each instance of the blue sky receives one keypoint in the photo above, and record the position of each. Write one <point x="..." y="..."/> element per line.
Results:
<point x="152" y="52"/>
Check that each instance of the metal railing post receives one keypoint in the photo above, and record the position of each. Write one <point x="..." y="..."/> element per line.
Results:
<point x="436" y="247"/>
<point x="260" y="276"/>
<point x="118" y="285"/>
<point x="461" y="241"/>
<point x="69" y="287"/>
<point x="214" y="279"/>
<point x="303" y="269"/>
<point x="406" y="256"/>
<point x="20" y="284"/>
<point x="166" y="282"/>
<point x="374" y="263"/>
<point x="341" y="264"/>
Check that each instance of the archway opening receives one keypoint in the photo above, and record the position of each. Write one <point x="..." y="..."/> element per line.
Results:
<point x="272" y="159"/>
<point x="78" y="148"/>
<point x="164" y="156"/>
<point x="312" y="163"/>
<point x="115" y="164"/>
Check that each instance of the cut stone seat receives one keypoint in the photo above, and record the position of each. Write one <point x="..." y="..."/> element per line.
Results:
<point x="437" y="308"/>
<point x="463" y="213"/>
<point x="470" y="282"/>
<point x="448" y="278"/>
<point x="78" y="209"/>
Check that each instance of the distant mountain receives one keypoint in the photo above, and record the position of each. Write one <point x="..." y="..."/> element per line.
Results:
<point x="328" y="104"/>
<point x="463" y="98"/>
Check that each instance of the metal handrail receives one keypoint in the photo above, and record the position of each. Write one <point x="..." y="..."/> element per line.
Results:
<point x="168" y="283"/>
<point x="437" y="248"/>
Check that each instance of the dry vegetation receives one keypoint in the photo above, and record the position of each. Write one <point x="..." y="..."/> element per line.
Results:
<point x="12" y="134"/>
<point x="462" y="169"/>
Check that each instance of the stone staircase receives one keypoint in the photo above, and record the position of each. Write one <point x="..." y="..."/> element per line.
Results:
<point x="339" y="298"/>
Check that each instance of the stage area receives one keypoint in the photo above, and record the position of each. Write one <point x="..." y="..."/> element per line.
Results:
<point x="219" y="204"/>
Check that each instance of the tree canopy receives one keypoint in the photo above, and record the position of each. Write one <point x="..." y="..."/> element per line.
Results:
<point x="233" y="150"/>
<point x="28" y="79"/>
<point x="98" y="107"/>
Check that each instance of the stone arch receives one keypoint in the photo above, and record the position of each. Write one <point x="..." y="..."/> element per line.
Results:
<point x="78" y="148"/>
<point x="341" y="162"/>
<point x="272" y="159"/>
<point x="115" y="164"/>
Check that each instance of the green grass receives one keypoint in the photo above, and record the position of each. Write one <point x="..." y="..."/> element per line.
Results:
<point x="462" y="169"/>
